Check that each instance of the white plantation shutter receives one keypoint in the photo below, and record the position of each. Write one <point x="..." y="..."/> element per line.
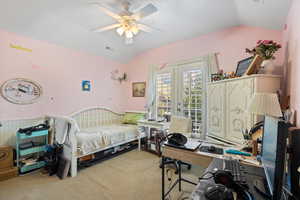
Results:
<point x="193" y="97"/>
<point x="163" y="94"/>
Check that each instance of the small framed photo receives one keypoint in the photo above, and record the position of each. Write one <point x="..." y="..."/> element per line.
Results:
<point x="138" y="89"/>
<point x="243" y="66"/>
<point x="248" y="66"/>
<point x="255" y="65"/>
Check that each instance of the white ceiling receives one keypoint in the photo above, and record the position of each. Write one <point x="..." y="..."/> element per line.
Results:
<point x="69" y="22"/>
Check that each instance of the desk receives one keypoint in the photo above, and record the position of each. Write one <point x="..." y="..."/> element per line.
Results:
<point x="145" y="126"/>
<point x="153" y="124"/>
<point x="193" y="157"/>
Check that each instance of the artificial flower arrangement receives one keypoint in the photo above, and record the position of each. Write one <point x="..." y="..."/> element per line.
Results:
<point x="265" y="49"/>
<point x="220" y="75"/>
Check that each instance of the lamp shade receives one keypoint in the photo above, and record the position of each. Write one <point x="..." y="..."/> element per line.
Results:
<point x="265" y="104"/>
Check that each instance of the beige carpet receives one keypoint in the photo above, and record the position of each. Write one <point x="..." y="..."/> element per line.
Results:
<point x="132" y="176"/>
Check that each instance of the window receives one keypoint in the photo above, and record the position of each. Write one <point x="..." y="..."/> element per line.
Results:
<point x="163" y="94"/>
<point x="180" y="90"/>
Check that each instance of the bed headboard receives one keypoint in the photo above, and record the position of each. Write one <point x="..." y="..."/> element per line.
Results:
<point x="96" y="116"/>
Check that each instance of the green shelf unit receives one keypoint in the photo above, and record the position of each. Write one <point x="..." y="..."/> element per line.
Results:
<point x="30" y="151"/>
<point x="37" y="165"/>
<point x="23" y="136"/>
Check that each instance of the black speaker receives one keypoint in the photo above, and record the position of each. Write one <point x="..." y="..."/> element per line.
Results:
<point x="294" y="161"/>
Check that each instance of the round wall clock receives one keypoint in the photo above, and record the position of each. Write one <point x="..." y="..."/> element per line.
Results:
<point x="21" y="91"/>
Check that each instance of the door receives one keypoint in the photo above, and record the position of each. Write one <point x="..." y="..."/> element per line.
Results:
<point x="190" y="98"/>
<point x="180" y="90"/>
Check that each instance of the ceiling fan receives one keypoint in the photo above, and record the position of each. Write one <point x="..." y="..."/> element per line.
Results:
<point x="128" y="25"/>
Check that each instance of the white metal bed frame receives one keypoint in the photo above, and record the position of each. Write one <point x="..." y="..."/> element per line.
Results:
<point x="93" y="116"/>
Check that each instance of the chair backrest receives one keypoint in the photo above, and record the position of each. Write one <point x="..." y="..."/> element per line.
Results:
<point x="180" y="125"/>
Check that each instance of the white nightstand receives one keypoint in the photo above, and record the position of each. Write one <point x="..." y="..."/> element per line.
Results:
<point x="144" y="127"/>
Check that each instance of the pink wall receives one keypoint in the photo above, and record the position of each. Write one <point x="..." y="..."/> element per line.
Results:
<point x="60" y="72"/>
<point x="292" y="56"/>
<point x="229" y="43"/>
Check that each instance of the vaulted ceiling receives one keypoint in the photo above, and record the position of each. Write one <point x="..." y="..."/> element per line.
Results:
<point x="69" y="22"/>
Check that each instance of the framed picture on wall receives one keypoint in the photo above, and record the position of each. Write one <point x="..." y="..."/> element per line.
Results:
<point x="138" y="89"/>
<point x="86" y="85"/>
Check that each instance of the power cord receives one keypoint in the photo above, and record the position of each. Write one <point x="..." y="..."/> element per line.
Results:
<point x="286" y="193"/>
<point x="283" y="195"/>
<point x="206" y="178"/>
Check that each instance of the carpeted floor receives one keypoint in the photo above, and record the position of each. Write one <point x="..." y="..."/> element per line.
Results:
<point x="132" y="176"/>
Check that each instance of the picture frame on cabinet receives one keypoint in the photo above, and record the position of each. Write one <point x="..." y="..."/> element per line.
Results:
<point x="255" y="65"/>
<point x="249" y="66"/>
<point x="243" y="66"/>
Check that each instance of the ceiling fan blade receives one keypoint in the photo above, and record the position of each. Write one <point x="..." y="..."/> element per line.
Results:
<point x="108" y="12"/>
<point x="144" y="12"/>
<point x="106" y="28"/>
<point x="145" y="28"/>
<point x="117" y="5"/>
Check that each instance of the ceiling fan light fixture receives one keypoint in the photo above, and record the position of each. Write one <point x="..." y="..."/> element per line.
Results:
<point x="120" y="31"/>
<point x="129" y="34"/>
<point x="135" y="30"/>
<point x="127" y="26"/>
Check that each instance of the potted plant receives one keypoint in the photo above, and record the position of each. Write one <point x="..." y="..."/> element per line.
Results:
<point x="266" y="50"/>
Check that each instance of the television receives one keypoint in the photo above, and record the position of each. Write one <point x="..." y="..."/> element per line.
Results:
<point x="274" y="144"/>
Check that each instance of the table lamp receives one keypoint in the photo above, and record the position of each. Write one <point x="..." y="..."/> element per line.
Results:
<point x="265" y="104"/>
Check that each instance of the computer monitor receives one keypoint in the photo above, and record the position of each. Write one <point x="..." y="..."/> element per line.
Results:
<point x="273" y="154"/>
<point x="293" y="163"/>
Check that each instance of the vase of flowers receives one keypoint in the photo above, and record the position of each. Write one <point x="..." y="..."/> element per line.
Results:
<point x="266" y="50"/>
<point x="267" y="67"/>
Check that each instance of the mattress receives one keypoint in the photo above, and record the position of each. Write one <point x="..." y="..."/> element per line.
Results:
<point x="95" y="138"/>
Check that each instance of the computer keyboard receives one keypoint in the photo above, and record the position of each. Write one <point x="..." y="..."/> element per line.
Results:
<point x="234" y="167"/>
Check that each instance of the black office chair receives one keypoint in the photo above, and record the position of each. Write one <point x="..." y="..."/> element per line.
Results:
<point x="181" y="125"/>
